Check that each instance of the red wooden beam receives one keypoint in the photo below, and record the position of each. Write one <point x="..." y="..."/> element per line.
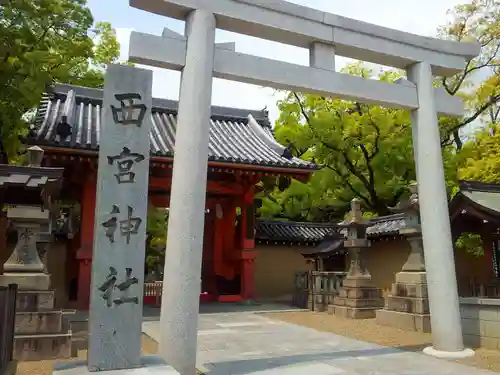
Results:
<point x="212" y="186"/>
<point x="298" y="173"/>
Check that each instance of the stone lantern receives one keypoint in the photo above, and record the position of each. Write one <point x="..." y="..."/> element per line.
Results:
<point x="413" y="231"/>
<point x="27" y="213"/>
<point x="27" y="191"/>
<point x="358" y="298"/>
<point x="407" y="306"/>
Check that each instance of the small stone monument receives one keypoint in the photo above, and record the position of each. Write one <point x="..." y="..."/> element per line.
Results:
<point x="115" y="316"/>
<point x="407" y="307"/>
<point x="41" y="332"/>
<point x="358" y="298"/>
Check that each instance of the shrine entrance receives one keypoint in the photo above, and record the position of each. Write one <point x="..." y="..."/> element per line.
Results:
<point x="242" y="152"/>
<point x="228" y="255"/>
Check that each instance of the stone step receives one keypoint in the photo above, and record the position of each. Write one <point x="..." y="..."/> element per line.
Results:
<point x="404" y="321"/>
<point x="359" y="303"/>
<point x="42" y="347"/>
<point x="408" y="304"/>
<point x="30" y="323"/>
<point x="352" y="312"/>
<point x="409" y="290"/>
<point x="363" y="282"/>
<point x="360" y="293"/>
<point x="34" y="300"/>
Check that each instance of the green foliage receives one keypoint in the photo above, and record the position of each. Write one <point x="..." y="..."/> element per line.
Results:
<point x="479" y="159"/>
<point x="476" y="21"/>
<point x="156" y="236"/>
<point x="471" y="243"/>
<point x="42" y="42"/>
<point x="366" y="151"/>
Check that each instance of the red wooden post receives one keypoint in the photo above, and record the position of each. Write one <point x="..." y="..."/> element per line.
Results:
<point x="488" y="239"/>
<point x="248" y="257"/>
<point x="84" y="254"/>
<point x="248" y="254"/>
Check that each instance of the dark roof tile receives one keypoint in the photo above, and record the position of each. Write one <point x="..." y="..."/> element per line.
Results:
<point x="292" y="231"/>
<point x="231" y="139"/>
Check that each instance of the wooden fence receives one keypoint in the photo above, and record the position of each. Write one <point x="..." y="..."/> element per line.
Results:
<point x="7" y="324"/>
<point x="474" y="289"/>
<point x="316" y="290"/>
<point x="152" y="293"/>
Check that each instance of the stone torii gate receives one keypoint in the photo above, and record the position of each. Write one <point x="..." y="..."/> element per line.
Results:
<point x="324" y="35"/>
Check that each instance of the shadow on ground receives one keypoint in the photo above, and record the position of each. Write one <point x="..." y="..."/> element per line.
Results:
<point x="265" y="364"/>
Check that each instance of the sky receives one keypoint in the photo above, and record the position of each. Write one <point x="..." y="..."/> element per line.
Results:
<point x="420" y="17"/>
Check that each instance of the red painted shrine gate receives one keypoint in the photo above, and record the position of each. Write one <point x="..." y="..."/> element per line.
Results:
<point x="241" y="153"/>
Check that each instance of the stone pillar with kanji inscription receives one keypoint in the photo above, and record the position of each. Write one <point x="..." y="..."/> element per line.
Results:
<point x="407" y="306"/>
<point x="358" y="298"/>
<point x="116" y="295"/>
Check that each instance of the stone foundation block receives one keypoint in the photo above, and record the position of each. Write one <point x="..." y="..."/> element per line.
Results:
<point x="29" y="323"/>
<point x="408" y="304"/>
<point x="26" y="281"/>
<point x="359" y="303"/>
<point x="404" y="321"/>
<point x="352" y="312"/>
<point x="358" y="283"/>
<point x="476" y="341"/>
<point x="411" y="278"/>
<point x="409" y="290"/>
<point x="42" y="347"/>
<point x="34" y="300"/>
<point x="360" y="293"/>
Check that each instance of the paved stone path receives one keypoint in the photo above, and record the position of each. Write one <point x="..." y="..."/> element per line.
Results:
<point x="247" y="343"/>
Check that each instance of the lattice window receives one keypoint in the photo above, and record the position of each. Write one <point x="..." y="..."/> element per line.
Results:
<point x="496" y="258"/>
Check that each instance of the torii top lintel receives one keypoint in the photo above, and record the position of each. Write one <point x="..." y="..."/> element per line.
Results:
<point x="288" y="23"/>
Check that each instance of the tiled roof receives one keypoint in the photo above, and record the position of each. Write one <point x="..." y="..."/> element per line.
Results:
<point x="17" y="176"/>
<point x="231" y="138"/>
<point x="291" y="231"/>
<point x="385" y="225"/>
<point x="483" y="198"/>
<point x="29" y="184"/>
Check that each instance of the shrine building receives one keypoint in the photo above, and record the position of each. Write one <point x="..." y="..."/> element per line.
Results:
<point x="242" y="150"/>
<point x="243" y="258"/>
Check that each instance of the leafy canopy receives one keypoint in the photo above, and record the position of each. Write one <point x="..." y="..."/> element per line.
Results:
<point x="42" y="42"/>
<point x="366" y="151"/>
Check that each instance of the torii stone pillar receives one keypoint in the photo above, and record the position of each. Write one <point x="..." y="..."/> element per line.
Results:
<point x="435" y="221"/>
<point x="181" y="278"/>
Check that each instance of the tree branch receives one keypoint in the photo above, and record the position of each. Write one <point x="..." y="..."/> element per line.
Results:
<point x="351" y="166"/>
<point x="479" y="111"/>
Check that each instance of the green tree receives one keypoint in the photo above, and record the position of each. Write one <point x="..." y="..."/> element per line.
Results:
<point x="479" y="159"/>
<point x="156" y="237"/>
<point x="42" y="42"/>
<point x="477" y="21"/>
<point x="366" y="151"/>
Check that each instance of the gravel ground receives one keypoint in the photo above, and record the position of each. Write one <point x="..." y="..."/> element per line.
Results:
<point x="369" y="330"/>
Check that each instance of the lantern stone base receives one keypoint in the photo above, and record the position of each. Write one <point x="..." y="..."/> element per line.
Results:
<point x="352" y="312"/>
<point x="26" y="281"/>
<point x="41" y="332"/>
<point x="407" y="307"/>
<point x="358" y="299"/>
<point x="404" y="321"/>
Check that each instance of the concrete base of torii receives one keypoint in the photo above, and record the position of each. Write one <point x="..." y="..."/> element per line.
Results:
<point x="466" y="353"/>
<point x="152" y="365"/>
